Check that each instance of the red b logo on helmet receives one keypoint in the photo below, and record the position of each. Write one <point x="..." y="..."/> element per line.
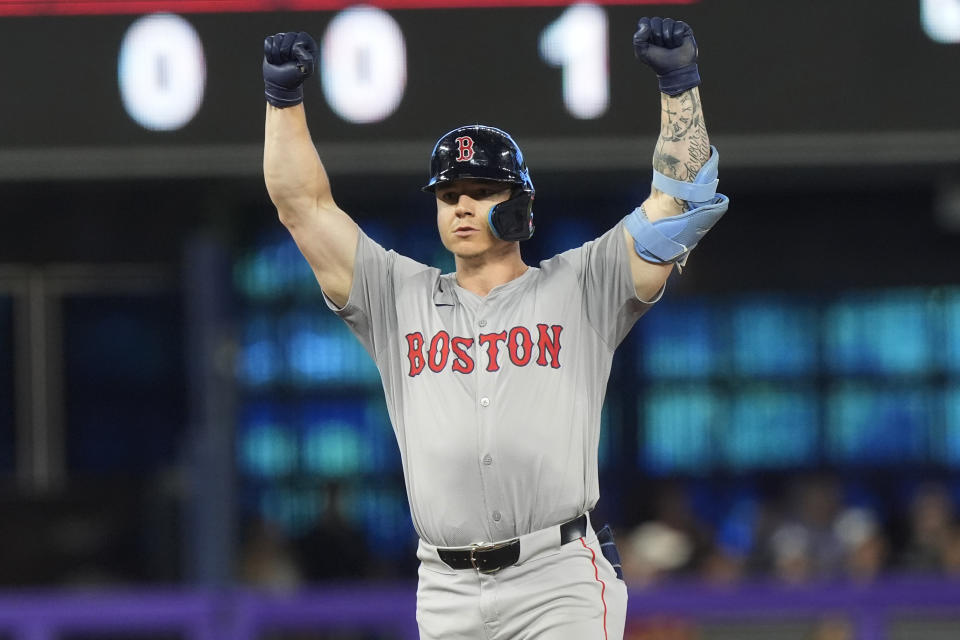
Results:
<point x="465" y="149"/>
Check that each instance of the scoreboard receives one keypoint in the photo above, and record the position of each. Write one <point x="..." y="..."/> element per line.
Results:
<point x="175" y="86"/>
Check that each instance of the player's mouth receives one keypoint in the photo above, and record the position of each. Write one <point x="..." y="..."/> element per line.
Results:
<point x="464" y="232"/>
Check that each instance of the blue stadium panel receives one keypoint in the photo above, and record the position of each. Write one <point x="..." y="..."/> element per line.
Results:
<point x="680" y="340"/>
<point x="344" y="438"/>
<point x="384" y="515"/>
<point x="868" y="425"/>
<point x="321" y="350"/>
<point x="305" y="348"/>
<point x="425" y="248"/>
<point x="7" y="420"/>
<point x="564" y="233"/>
<point x="289" y="454"/>
<point x="884" y="333"/>
<point x="294" y="509"/>
<point x="384" y="234"/>
<point x="125" y="396"/>
<point x="951" y="448"/>
<point x="324" y="438"/>
<point x="679" y="430"/>
<point x="605" y="452"/>
<point x="381" y="513"/>
<point x="951" y="350"/>
<point x="261" y="360"/>
<point x="774" y="337"/>
<point x="267" y="442"/>
<point x="274" y="270"/>
<point x="771" y="427"/>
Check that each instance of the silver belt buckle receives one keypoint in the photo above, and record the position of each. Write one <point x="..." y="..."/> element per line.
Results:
<point x="487" y="547"/>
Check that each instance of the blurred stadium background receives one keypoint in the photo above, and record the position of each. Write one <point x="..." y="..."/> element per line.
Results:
<point x="191" y="446"/>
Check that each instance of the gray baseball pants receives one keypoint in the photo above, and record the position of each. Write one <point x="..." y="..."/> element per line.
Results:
<point x="554" y="592"/>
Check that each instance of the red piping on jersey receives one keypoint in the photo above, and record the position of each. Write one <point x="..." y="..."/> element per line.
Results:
<point x="603" y="586"/>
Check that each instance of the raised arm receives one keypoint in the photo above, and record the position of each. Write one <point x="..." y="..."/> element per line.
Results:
<point x="683" y="203"/>
<point x="682" y="149"/>
<point x="295" y="177"/>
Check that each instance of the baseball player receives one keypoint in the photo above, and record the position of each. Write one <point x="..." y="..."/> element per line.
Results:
<point x="495" y="374"/>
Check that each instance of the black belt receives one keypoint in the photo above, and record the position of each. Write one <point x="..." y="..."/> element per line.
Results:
<point x="490" y="558"/>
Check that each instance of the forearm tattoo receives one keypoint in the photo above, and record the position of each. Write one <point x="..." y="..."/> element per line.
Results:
<point x="683" y="147"/>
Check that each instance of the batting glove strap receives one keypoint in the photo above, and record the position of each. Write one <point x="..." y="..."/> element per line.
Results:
<point x="609" y="549"/>
<point x="679" y="80"/>
<point x="281" y="97"/>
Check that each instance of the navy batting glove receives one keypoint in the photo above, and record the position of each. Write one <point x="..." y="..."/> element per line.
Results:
<point x="667" y="46"/>
<point x="288" y="60"/>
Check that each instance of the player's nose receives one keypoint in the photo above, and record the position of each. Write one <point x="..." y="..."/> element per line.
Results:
<point x="465" y="206"/>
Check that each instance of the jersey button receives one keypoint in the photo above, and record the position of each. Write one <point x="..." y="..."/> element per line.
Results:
<point x="496" y="516"/>
<point x="484" y="402"/>
<point x="482" y="323"/>
<point x="488" y="459"/>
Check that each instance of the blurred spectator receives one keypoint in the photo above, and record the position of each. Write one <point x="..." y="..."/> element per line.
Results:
<point x="727" y="559"/>
<point x="265" y="559"/>
<point x="932" y="518"/>
<point x="834" y="629"/>
<point x="721" y="566"/>
<point x="673" y="542"/>
<point x="791" y="551"/>
<point x="864" y="544"/>
<point x="334" y="548"/>
<point x="807" y="545"/>
<point x="951" y="553"/>
<point x="653" y="551"/>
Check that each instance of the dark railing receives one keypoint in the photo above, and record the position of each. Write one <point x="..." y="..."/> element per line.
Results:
<point x="388" y="609"/>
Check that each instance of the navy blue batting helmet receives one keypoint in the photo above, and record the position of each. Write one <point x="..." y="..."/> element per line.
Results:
<point x="486" y="153"/>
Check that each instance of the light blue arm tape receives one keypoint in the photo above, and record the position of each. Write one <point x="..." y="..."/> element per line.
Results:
<point x="670" y="239"/>
<point x="701" y="190"/>
<point x="650" y="243"/>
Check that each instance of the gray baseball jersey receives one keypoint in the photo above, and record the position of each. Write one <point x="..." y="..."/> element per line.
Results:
<point x="495" y="401"/>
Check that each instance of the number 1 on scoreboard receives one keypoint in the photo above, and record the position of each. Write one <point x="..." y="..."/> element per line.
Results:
<point x="577" y="43"/>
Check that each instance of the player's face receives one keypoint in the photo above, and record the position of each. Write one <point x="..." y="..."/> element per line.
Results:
<point x="462" y="208"/>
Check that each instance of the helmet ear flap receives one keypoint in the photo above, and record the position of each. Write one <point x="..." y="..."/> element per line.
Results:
<point x="512" y="220"/>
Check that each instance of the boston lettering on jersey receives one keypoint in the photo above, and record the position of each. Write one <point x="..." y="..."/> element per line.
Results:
<point x="517" y="343"/>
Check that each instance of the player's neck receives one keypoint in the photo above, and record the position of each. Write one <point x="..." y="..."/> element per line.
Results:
<point x="480" y="274"/>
